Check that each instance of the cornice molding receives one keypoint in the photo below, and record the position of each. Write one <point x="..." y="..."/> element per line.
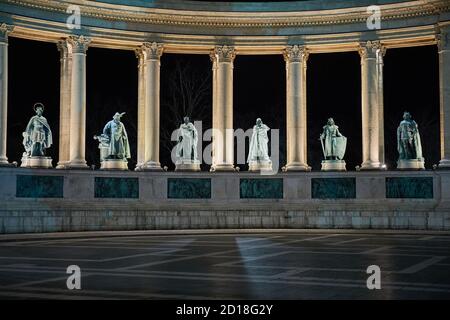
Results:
<point x="208" y="19"/>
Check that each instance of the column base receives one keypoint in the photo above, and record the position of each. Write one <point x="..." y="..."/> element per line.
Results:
<point x="333" y="165"/>
<point x="149" y="166"/>
<point x="260" y="165"/>
<point x="223" y="168"/>
<point x="36" y="162"/>
<point x="411" y="164"/>
<point x="75" y="165"/>
<point x="296" y="166"/>
<point x="187" y="165"/>
<point x="114" y="164"/>
<point x="444" y="164"/>
<point x="62" y="165"/>
<point x="4" y="163"/>
<point x="369" y="165"/>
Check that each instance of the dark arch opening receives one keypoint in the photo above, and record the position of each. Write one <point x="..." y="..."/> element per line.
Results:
<point x="411" y="83"/>
<point x="334" y="90"/>
<point x="33" y="76"/>
<point x="111" y="86"/>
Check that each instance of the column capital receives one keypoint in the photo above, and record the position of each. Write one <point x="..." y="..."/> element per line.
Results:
<point x="296" y="53"/>
<point x="5" y="29"/>
<point x="224" y="53"/>
<point x="65" y="48"/>
<point x="370" y="49"/>
<point x="443" y="40"/>
<point x="79" y="43"/>
<point x="140" y="55"/>
<point x="213" y="58"/>
<point x="149" y="51"/>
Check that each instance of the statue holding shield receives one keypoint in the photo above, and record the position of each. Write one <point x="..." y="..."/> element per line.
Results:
<point x="333" y="147"/>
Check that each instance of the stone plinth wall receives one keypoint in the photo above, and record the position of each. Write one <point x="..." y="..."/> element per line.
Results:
<point x="63" y="200"/>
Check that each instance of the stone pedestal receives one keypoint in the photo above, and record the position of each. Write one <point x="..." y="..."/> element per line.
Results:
<point x="149" y="166"/>
<point x="260" y="165"/>
<point x="114" y="164"/>
<point x="333" y="165"/>
<point x="223" y="168"/>
<point x="187" y="165"/>
<point x="411" y="164"/>
<point x="36" y="162"/>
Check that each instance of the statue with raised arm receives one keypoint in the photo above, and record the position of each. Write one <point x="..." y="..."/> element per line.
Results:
<point x="409" y="146"/>
<point x="37" y="137"/>
<point x="333" y="147"/>
<point x="113" y="144"/>
<point x="186" y="149"/>
<point x="258" y="153"/>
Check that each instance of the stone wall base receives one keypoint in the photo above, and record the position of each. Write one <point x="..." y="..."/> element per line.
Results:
<point x="60" y="221"/>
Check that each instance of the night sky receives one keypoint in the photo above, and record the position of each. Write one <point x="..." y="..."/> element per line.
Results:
<point x="333" y="90"/>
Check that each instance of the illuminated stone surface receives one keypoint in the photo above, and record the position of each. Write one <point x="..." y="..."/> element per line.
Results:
<point x="239" y="265"/>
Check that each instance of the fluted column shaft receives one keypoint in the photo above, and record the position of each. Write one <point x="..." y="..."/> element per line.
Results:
<point x="223" y="134"/>
<point x="77" y="131"/>
<point x="296" y="58"/>
<point x="370" y="54"/>
<point x="444" y="87"/>
<point x="65" y="49"/>
<point x="380" y="90"/>
<point x="149" y="55"/>
<point x="4" y="30"/>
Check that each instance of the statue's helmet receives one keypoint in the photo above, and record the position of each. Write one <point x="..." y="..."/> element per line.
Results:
<point x="330" y="121"/>
<point x="118" y="115"/>
<point x="407" y="115"/>
<point x="38" y="105"/>
<point x="258" y="120"/>
<point x="186" y="119"/>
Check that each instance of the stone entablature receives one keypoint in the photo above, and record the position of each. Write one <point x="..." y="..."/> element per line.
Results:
<point x="187" y="27"/>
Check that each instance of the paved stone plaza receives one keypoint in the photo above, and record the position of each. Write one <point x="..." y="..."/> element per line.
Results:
<point x="262" y="265"/>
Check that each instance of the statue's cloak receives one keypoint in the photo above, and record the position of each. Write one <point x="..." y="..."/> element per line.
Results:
<point x="259" y="141"/>
<point x="118" y="139"/>
<point x="48" y="139"/>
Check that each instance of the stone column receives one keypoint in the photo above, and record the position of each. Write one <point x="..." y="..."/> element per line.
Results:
<point x="4" y="30"/>
<point x="65" y="49"/>
<point x="380" y="90"/>
<point x="149" y="55"/>
<point x="212" y="56"/>
<point x="370" y="53"/>
<point x="77" y="130"/>
<point x="443" y="41"/>
<point x="296" y="58"/>
<point x="223" y="133"/>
